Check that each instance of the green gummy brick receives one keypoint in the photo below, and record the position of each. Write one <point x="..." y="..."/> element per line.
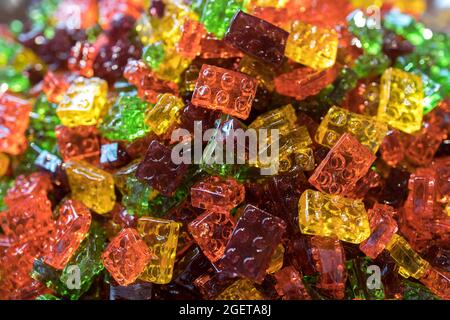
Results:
<point x="217" y="14"/>
<point x="153" y="55"/>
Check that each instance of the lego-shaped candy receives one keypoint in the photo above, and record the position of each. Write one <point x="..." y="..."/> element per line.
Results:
<point x="213" y="48"/>
<point x="125" y="119"/>
<point x="401" y="100"/>
<point x="35" y="184"/>
<point x="252" y="244"/>
<point x="276" y="262"/>
<point x="82" y="57"/>
<point x="368" y="131"/>
<point x="161" y="237"/>
<point x="437" y="281"/>
<point x="216" y="15"/>
<point x="289" y="284"/>
<point x="164" y="113"/>
<point x="165" y="61"/>
<point x="126" y="256"/>
<point x="383" y="226"/>
<point x="84" y="102"/>
<point x="55" y="86"/>
<point x="158" y="169"/>
<point x="409" y="262"/>
<point x="311" y="45"/>
<point x="329" y="258"/>
<point x="14" y="120"/>
<point x="284" y="119"/>
<point x="257" y="38"/>
<point x="242" y="289"/>
<point x="71" y="227"/>
<point x="295" y="150"/>
<point x="78" y="143"/>
<point x="92" y="186"/>
<point x="211" y="231"/>
<point x="224" y="90"/>
<point x="331" y="215"/>
<point x="346" y="163"/>
<point x="216" y="194"/>
<point x="190" y="42"/>
<point x="259" y="70"/>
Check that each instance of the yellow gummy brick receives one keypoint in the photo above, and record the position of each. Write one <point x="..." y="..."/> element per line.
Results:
<point x="312" y="46"/>
<point x="409" y="262"/>
<point x="276" y="261"/>
<point x="4" y="164"/>
<point x="295" y="150"/>
<point x="172" y="66"/>
<point x="367" y="130"/>
<point x="252" y="4"/>
<point x="84" y="103"/>
<point x="92" y="186"/>
<point x="327" y="215"/>
<point x="283" y="119"/>
<point x="161" y="236"/>
<point x="164" y="113"/>
<point x="241" y="289"/>
<point x="401" y="100"/>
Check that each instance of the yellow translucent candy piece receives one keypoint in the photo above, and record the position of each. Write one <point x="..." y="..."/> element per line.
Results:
<point x="327" y="215"/>
<point x="276" y="262"/>
<point x="410" y="6"/>
<point x="92" y="186"/>
<point x="241" y="289"/>
<point x="258" y="70"/>
<point x="84" y="103"/>
<point x="250" y="5"/>
<point x="172" y="66"/>
<point x="4" y="164"/>
<point x="295" y="150"/>
<point x="283" y="119"/>
<point x="164" y="114"/>
<point x="366" y="3"/>
<point x="312" y="46"/>
<point x="401" y="100"/>
<point x="25" y="58"/>
<point x="367" y="130"/>
<point x="409" y="262"/>
<point x="161" y="236"/>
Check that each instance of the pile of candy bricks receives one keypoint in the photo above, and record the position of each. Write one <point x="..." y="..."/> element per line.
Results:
<point x="93" y="207"/>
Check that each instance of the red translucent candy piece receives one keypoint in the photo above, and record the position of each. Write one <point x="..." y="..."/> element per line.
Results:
<point x="438" y="282"/>
<point x="55" y="86"/>
<point x="35" y="184"/>
<point x="213" y="48"/>
<point x="289" y="284"/>
<point x="79" y="143"/>
<point x="189" y="45"/>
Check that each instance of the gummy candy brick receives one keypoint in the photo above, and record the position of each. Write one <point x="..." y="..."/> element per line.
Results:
<point x="55" y="86"/>
<point x="158" y="170"/>
<point x="252" y="244"/>
<point x="257" y="38"/>
<point x="346" y="163"/>
<point x="92" y="186"/>
<point x="189" y="45"/>
<point x="217" y="14"/>
<point x="251" y="5"/>
<point x="82" y="57"/>
<point x="241" y="289"/>
<point x="284" y="119"/>
<point x="289" y="284"/>
<point x="125" y="119"/>
<point x="35" y="184"/>
<point x="148" y="84"/>
<point x="4" y="164"/>
<point x="312" y="46"/>
<point x="211" y="231"/>
<point x="277" y="259"/>
<point x="161" y="237"/>
<point x="78" y="143"/>
<point x="331" y="215"/>
<point x="84" y="102"/>
<point x="213" y="48"/>
<point x="383" y="226"/>
<point x="329" y="258"/>
<point x="165" y="61"/>
<point x="368" y="131"/>
<point x="126" y="256"/>
<point x="437" y="281"/>
<point x="401" y="100"/>
<point x="259" y="70"/>
<point x="216" y="194"/>
<point x="71" y="227"/>
<point x="28" y="218"/>
<point x="224" y="90"/>
<point x="409" y="262"/>
<point x="295" y="150"/>
<point x="14" y="120"/>
<point x="164" y="113"/>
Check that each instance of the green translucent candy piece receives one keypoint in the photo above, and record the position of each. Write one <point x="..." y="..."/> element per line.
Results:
<point x="417" y="291"/>
<point x="41" y="12"/>
<point x="368" y="65"/>
<point x="87" y="258"/>
<point x="5" y="184"/>
<point x="405" y="25"/>
<point x="153" y="55"/>
<point x="125" y="119"/>
<point x="47" y="297"/>
<point x="370" y="36"/>
<point x="217" y="14"/>
<point x="8" y="51"/>
<point x="346" y="81"/>
<point x="16" y="81"/>
<point x="357" y="279"/>
<point x="43" y="120"/>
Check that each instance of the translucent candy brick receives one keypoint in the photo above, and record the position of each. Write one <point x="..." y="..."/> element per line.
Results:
<point x="312" y="46"/>
<point x="368" y="131"/>
<point x="126" y="256"/>
<point x="240" y="290"/>
<point x="78" y="143"/>
<point x="289" y="284"/>
<point x="211" y="231"/>
<point x="216" y="15"/>
<point x="164" y="113"/>
<point x="346" y="163"/>
<point x="84" y="102"/>
<point x="55" y="86"/>
<point x="92" y="186"/>
<point x="4" y="164"/>
<point x="190" y="42"/>
<point x="437" y="281"/>
<point x="161" y="237"/>
<point x="327" y="215"/>
<point x="252" y="243"/>
<point x="401" y="100"/>
<point x="216" y="194"/>
<point x="224" y="90"/>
